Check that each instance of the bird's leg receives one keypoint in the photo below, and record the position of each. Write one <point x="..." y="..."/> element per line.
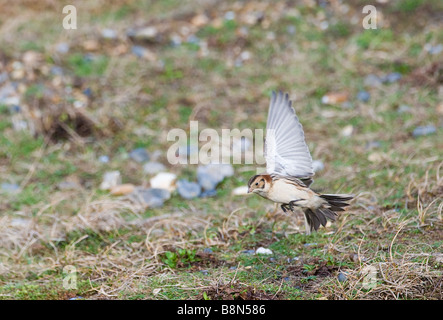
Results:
<point x="284" y="207"/>
<point x="272" y="214"/>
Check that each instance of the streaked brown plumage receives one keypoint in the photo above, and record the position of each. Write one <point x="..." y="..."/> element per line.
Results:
<point x="289" y="169"/>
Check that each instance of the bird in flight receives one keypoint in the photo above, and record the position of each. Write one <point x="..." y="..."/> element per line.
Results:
<point x="289" y="169"/>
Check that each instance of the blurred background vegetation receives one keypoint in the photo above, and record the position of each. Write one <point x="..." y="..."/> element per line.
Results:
<point x="74" y="104"/>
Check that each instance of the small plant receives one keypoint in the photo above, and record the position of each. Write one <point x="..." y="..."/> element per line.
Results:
<point x="182" y="257"/>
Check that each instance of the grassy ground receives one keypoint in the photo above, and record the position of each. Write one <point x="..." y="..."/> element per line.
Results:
<point x="198" y="249"/>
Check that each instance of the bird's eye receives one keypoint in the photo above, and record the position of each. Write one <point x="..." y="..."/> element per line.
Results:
<point x="256" y="183"/>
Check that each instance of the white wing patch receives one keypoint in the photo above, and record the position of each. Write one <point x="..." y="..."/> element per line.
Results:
<point x="286" y="152"/>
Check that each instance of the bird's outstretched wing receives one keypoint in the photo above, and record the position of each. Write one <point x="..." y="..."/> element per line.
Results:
<point x="286" y="152"/>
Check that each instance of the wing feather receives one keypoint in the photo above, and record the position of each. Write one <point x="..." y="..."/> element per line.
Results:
<point x="286" y="153"/>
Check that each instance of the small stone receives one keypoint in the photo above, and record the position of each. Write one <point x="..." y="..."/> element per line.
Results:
<point x="10" y="101"/>
<point x="434" y="50"/>
<point x="262" y="250"/>
<point x="185" y="151"/>
<point x="153" y="167"/>
<point x="293" y="259"/>
<point x="230" y="15"/>
<point x="207" y="250"/>
<point x="145" y="34"/>
<point x="317" y="165"/>
<point x="245" y="55"/>
<point x="208" y="193"/>
<point x="151" y="197"/>
<point x="363" y="96"/>
<point x="291" y="29"/>
<point x="91" y="45"/>
<point x="122" y="189"/>
<point x="240" y="191"/>
<point x="19" y="125"/>
<point x="342" y="277"/>
<point x="199" y="20"/>
<point x="32" y="59"/>
<point x="68" y="185"/>
<point x="10" y="187"/>
<point x="424" y="130"/>
<point x="403" y="108"/>
<point x="3" y="77"/>
<point x="372" y="80"/>
<point x="56" y="71"/>
<point x="204" y="272"/>
<point x="103" y="159"/>
<point x="139" y="155"/>
<point x="192" y="38"/>
<point x="109" y="33"/>
<point x="188" y="190"/>
<point x="372" y="145"/>
<point x="142" y="52"/>
<point x="20" y="222"/>
<point x="334" y="98"/>
<point x="110" y="179"/>
<point x="62" y="47"/>
<point x="209" y="176"/>
<point x="164" y="180"/>
<point x="250" y="252"/>
<point x="392" y="77"/>
<point x="76" y="298"/>
<point x="87" y="92"/>
<point x="176" y="40"/>
<point x="347" y="131"/>
<point x="15" y="109"/>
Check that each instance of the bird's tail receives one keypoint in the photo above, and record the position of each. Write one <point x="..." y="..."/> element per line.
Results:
<point x="319" y="216"/>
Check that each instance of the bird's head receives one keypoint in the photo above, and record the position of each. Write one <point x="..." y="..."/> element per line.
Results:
<point x="259" y="184"/>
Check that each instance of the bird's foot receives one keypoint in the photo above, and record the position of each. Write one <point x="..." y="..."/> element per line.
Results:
<point x="285" y="207"/>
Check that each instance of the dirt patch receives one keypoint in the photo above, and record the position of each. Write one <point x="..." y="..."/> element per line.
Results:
<point x="236" y="291"/>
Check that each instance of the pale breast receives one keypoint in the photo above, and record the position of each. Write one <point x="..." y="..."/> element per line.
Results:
<point x="285" y="192"/>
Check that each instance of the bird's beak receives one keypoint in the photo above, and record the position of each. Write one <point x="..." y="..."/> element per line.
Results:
<point x="249" y="190"/>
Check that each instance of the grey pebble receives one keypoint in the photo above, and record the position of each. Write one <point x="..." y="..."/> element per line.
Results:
<point x="372" y="80"/>
<point x="10" y="187"/>
<point x="103" y="159"/>
<point x="403" y="108"/>
<point x="207" y="250"/>
<point x="109" y="33"/>
<point x="372" y="145"/>
<point x="153" y="167"/>
<point x="342" y="277"/>
<point x="208" y="193"/>
<point x="187" y="189"/>
<point x="209" y="176"/>
<point x="139" y="51"/>
<point x="62" y="47"/>
<point x="424" y="130"/>
<point x="139" y="155"/>
<point x="391" y="77"/>
<point x="363" y="96"/>
<point x="152" y="197"/>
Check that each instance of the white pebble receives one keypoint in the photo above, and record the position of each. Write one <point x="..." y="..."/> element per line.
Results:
<point x="262" y="250"/>
<point x="164" y="180"/>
